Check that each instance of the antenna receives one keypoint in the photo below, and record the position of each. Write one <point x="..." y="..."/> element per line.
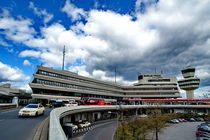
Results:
<point x="115" y="71"/>
<point x="63" y="57"/>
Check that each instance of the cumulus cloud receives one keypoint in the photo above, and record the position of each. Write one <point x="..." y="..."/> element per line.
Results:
<point x="73" y="12"/>
<point x="26" y="63"/>
<point x="9" y="73"/>
<point x="41" y="13"/>
<point x="3" y="43"/>
<point x="81" y="70"/>
<point x="163" y="38"/>
<point x="102" y="75"/>
<point x="30" y="53"/>
<point x="166" y="36"/>
<point x="18" y="30"/>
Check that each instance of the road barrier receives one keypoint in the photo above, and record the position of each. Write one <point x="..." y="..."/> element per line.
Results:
<point x="55" y="129"/>
<point x="42" y="131"/>
<point x="7" y="106"/>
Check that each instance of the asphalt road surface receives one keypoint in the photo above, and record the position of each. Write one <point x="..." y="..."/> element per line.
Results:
<point x="102" y="132"/>
<point x="14" y="128"/>
<point x="180" y="131"/>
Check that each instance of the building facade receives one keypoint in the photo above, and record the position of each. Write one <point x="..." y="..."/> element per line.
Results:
<point x="7" y="94"/>
<point x="55" y="84"/>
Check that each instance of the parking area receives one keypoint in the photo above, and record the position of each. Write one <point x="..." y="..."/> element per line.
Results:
<point x="180" y="131"/>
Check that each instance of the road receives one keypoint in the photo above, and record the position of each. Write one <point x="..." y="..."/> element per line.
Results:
<point x="14" y="128"/>
<point x="102" y="132"/>
<point x="180" y="131"/>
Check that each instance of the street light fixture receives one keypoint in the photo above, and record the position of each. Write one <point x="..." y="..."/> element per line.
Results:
<point x="117" y="120"/>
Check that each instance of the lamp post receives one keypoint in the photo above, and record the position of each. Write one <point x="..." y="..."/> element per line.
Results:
<point x="117" y="120"/>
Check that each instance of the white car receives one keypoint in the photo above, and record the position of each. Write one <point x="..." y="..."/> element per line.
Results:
<point x="32" y="110"/>
<point x="84" y="124"/>
<point x="71" y="104"/>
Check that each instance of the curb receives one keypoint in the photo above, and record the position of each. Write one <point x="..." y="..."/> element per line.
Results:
<point x="42" y="131"/>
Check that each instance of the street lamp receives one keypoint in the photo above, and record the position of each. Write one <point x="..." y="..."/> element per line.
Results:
<point x="117" y="120"/>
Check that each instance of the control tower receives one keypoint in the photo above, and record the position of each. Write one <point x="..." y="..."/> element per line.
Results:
<point x="190" y="82"/>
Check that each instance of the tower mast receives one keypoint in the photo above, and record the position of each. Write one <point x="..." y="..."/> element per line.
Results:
<point x="63" y="57"/>
<point x="115" y="74"/>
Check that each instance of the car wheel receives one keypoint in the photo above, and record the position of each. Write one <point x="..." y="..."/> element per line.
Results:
<point x="43" y="113"/>
<point x="36" y="114"/>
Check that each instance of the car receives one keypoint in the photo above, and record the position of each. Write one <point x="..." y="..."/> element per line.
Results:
<point x="199" y="119"/>
<point x="173" y="121"/>
<point x="58" y="104"/>
<point x="202" y="134"/>
<point x="71" y="104"/>
<point x="204" y="128"/>
<point x="69" y="124"/>
<point x="191" y="119"/>
<point x="204" y="124"/>
<point x="84" y="124"/>
<point x="31" y="110"/>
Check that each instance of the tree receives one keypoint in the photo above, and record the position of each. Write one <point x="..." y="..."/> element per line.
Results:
<point x="158" y="121"/>
<point x="123" y="131"/>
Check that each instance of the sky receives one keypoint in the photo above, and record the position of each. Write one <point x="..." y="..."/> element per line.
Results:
<point x="134" y="37"/>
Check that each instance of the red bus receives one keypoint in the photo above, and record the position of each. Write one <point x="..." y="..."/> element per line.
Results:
<point x="93" y="101"/>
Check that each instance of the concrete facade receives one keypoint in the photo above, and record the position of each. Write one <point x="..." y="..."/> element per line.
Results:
<point x="7" y="94"/>
<point x="190" y="82"/>
<point x="53" y="84"/>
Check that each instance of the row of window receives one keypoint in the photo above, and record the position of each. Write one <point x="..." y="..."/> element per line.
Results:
<point x="62" y="93"/>
<point x="188" y="70"/>
<point x="192" y="80"/>
<point x="152" y="93"/>
<point x="73" y="79"/>
<point x="154" y="85"/>
<point x="52" y="83"/>
<point x="159" y="80"/>
<point x="191" y="84"/>
<point x="175" y="88"/>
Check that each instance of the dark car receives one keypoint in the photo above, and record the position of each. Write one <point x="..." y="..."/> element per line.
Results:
<point x="173" y="121"/>
<point x="199" y="119"/>
<point x="204" y="124"/>
<point x="191" y="119"/>
<point x="58" y="104"/>
<point x="203" y="134"/>
<point x="204" y="128"/>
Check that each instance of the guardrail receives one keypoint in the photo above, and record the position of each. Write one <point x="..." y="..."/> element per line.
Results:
<point x="7" y="106"/>
<point x="164" y="106"/>
<point x="56" y="132"/>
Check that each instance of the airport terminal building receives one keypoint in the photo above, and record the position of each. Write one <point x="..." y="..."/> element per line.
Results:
<point x="57" y="84"/>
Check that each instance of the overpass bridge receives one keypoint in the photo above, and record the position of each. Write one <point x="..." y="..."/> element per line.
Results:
<point x="60" y="116"/>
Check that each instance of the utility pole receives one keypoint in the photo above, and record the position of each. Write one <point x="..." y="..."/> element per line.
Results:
<point x="63" y="57"/>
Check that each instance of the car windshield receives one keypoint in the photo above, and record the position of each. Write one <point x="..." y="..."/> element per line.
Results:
<point x="31" y="106"/>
